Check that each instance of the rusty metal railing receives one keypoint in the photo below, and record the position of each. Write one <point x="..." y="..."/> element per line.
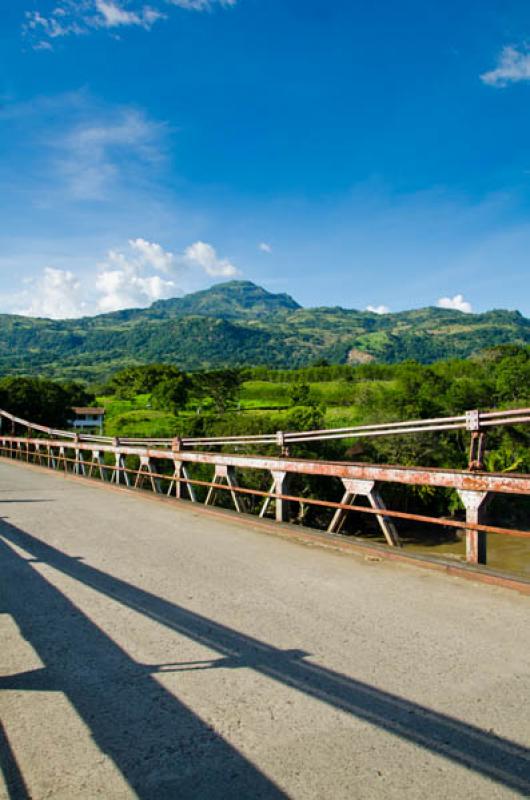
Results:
<point x="476" y="422"/>
<point x="172" y="477"/>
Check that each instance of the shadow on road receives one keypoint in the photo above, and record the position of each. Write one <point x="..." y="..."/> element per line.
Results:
<point x="162" y="749"/>
<point x="499" y="759"/>
<point x="25" y="501"/>
<point x="10" y="769"/>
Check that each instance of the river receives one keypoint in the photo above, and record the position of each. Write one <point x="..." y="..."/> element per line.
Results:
<point x="504" y="553"/>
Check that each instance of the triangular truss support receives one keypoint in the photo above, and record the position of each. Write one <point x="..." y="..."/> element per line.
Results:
<point x="279" y="485"/>
<point x="361" y="488"/>
<point x="146" y="471"/>
<point x="179" y="481"/>
<point x="224" y="474"/>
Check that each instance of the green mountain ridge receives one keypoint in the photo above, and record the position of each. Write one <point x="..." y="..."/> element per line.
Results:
<point x="239" y="323"/>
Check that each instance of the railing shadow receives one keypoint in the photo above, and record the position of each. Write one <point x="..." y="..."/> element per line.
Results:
<point x="2" y="502"/>
<point x="162" y="749"/>
<point x="10" y="769"/>
<point x="499" y="759"/>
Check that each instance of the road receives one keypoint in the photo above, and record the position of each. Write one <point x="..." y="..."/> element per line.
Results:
<point x="151" y="650"/>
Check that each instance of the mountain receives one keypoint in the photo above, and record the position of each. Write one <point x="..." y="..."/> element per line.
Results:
<point x="236" y="300"/>
<point x="239" y="323"/>
<point x="232" y="300"/>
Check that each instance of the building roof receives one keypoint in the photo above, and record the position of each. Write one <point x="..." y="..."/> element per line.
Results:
<point x="95" y="410"/>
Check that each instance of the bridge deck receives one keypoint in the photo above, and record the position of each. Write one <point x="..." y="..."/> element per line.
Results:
<point x="152" y="651"/>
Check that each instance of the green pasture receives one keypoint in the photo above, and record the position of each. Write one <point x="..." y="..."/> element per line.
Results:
<point x="261" y="403"/>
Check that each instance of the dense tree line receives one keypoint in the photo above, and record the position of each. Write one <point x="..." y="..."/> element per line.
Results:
<point x="42" y="401"/>
<point x="499" y="376"/>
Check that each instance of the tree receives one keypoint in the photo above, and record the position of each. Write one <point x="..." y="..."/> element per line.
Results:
<point x="42" y="401"/>
<point x="129" y="382"/>
<point x="420" y="391"/>
<point x="300" y="394"/>
<point x="221" y="385"/>
<point x="465" y="394"/>
<point x="513" y="377"/>
<point x="170" y="394"/>
<point x="310" y="418"/>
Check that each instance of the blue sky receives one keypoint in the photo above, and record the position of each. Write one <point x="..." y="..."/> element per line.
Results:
<point x="350" y="153"/>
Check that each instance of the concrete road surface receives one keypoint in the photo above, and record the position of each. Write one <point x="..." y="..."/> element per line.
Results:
<point x="150" y="650"/>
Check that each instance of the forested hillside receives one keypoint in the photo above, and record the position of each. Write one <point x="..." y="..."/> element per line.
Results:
<point x="241" y="324"/>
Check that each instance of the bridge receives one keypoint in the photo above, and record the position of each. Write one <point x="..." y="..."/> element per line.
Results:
<point x="156" y="647"/>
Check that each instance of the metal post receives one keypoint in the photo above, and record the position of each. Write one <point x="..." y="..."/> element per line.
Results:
<point x="224" y="473"/>
<point x="62" y="457"/>
<point x="95" y="463"/>
<point x="145" y="471"/>
<point x="176" y="481"/>
<point x="120" y="469"/>
<point x="476" y="541"/>
<point x="180" y="479"/>
<point x="279" y="486"/>
<point x="478" y="440"/>
<point x="79" y="466"/>
<point x="120" y="466"/>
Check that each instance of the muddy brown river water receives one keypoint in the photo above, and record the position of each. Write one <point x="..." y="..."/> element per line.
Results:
<point x="505" y="553"/>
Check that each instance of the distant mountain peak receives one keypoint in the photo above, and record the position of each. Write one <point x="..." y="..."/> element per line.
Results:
<point x="231" y="299"/>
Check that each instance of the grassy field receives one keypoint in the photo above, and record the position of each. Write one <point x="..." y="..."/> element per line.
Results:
<point x="136" y="417"/>
<point x="344" y="403"/>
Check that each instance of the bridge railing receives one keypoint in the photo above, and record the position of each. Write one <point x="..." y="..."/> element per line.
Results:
<point x="167" y="471"/>
<point x="476" y="422"/>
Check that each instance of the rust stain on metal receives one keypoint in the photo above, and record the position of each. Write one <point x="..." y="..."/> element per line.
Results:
<point x="74" y="455"/>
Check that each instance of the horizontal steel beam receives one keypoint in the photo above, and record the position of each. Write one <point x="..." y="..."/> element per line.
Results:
<point x="471" y="420"/>
<point x="504" y="483"/>
<point x="280" y="496"/>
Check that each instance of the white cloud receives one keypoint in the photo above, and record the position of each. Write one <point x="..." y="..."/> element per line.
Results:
<point x="513" y="66"/>
<point x="125" y="288"/>
<point x="265" y="247"/>
<point x="456" y="303"/>
<point x="122" y="284"/>
<point x="57" y="294"/>
<point x="43" y="46"/>
<point x="128" y="278"/>
<point x="204" y="255"/>
<point x="153" y="254"/>
<point x="150" y="16"/>
<point x="378" y="309"/>
<point x="78" y="149"/>
<point x="95" y="152"/>
<point x="112" y="15"/>
<point x="81" y="17"/>
<point x="41" y="28"/>
<point x="200" y="5"/>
